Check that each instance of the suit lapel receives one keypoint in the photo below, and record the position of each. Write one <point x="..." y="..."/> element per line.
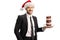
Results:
<point x="25" y="19"/>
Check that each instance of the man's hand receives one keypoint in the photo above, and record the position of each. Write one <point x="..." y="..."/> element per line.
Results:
<point x="45" y="27"/>
<point x="48" y="26"/>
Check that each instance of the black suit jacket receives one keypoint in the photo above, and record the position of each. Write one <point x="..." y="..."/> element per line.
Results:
<point x="21" y="25"/>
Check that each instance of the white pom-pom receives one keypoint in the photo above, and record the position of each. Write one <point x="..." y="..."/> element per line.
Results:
<point x="21" y="9"/>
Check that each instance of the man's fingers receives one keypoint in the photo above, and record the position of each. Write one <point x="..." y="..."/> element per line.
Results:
<point x="48" y="26"/>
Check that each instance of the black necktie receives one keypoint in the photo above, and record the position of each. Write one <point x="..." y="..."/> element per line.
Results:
<point x="32" y="35"/>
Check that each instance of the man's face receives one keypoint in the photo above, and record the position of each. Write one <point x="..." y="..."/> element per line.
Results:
<point x="29" y="9"/>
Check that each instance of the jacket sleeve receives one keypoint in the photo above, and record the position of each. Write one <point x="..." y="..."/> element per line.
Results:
<point x="18" y="27"/>
<point x="39" y="29"/>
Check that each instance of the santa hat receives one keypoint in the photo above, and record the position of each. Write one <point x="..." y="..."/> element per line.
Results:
<point x="26" y="4"/>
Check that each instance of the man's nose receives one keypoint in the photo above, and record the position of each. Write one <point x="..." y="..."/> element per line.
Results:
<point x="31" y="9"/>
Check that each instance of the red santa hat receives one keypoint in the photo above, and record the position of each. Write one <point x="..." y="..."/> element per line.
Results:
<point x="26" y="4"/>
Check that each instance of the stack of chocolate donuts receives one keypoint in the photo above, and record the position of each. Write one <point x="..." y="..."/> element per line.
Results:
<point x="48" y="21"/>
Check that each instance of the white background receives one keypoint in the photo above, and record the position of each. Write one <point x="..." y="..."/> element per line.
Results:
<point x="10" y="9"/>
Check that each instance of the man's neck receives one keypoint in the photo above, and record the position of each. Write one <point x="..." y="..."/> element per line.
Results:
<point x="29" y="15"/>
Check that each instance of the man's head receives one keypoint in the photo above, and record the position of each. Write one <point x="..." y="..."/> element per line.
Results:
<point x="28" y="6"/>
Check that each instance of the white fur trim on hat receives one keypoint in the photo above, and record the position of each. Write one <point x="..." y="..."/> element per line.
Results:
<point x="28" y="4"/>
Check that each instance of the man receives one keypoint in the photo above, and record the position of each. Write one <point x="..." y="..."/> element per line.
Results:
<point x="26" y="27"/>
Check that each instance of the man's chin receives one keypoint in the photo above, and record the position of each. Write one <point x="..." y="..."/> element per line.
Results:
<point x="30" y="13"/>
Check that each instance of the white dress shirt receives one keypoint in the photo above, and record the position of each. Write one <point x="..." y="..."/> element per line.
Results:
<point x="28" y="34"/>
